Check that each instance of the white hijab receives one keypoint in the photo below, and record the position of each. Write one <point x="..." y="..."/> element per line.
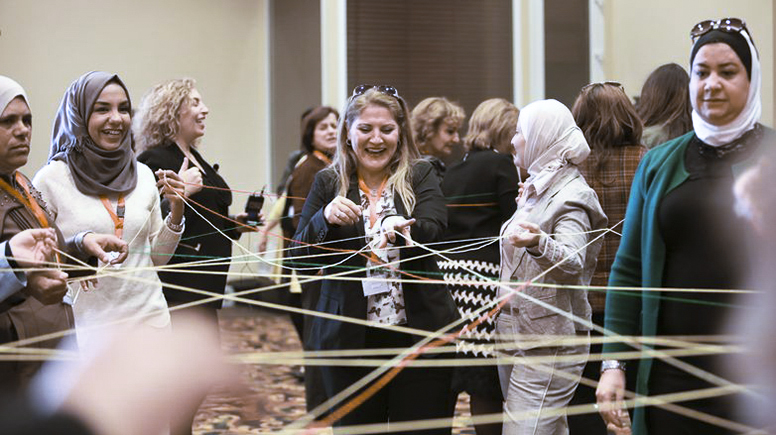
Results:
<point x="720" y="135"/>
<point x="552" y="139"/>
<point x="9" y="90"/>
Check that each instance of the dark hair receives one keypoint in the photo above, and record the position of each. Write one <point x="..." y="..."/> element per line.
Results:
<point x="310" y="119"/>
<point x="608" y="119"/>
<point x="665" y="99"/>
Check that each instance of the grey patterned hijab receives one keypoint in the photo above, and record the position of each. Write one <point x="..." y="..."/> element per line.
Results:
<point x="95" y="171"/>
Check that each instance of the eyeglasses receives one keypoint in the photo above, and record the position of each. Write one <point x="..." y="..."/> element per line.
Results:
<point x="387" y="90"/>
<point x="608" y="83"/>
<point x="729" y="25"/>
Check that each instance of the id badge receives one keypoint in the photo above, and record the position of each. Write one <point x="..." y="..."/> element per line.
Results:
<point x="376" y="281"/>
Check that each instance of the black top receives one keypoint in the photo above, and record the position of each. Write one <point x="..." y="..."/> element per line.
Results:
<point x="428" y="307"/>
<point x="200" y="240"/>
<point x="707" y="243"/>
<point x="480" y="192"/>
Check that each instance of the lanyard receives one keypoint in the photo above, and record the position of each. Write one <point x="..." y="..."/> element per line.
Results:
<point x="372" y="199"/>
<point x="27" y="200"/>
<point x="117" y="216"/>
<point x="323" y="157"/>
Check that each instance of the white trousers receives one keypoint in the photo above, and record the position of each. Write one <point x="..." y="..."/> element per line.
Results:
<point x="536" y="393"/>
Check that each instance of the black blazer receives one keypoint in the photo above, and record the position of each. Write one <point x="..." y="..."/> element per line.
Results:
<point x="428" y="307"/>
<point x="200" y="241"/>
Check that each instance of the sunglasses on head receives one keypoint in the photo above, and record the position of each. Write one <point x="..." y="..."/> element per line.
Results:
<point x="607" y="83"/>
<point x="387" y="90"/>
<point x="729" y="25"/>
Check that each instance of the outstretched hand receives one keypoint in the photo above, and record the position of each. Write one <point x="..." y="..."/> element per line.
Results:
<point x="392" y="225"/>
<point x="32" y="248"/>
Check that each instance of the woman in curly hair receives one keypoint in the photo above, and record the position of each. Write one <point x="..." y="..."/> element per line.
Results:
<point x="168" y="127"/>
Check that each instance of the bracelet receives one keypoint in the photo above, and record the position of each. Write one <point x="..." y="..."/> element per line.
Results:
<point x="175" y="228"/>
<point x="612" y="364"/>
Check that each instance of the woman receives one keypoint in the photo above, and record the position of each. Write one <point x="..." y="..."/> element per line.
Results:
<point x="319" y="143"/>
<point x="480" y="191"/>
<point x="613" y="129"/>
<point x="664" y="105"/>
<point x="168" y="127"/>
<point x="92" y="181"/>
<point x="681" y="231"/>
<point x="374" y="189"/>
<point x="435" y="125"/>
<point x="550" y="243"/>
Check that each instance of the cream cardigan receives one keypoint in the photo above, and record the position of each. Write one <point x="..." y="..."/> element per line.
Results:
<point x="135" y="291"/>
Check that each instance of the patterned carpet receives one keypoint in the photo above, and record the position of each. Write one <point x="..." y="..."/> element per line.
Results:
<point x="275" y="397"/>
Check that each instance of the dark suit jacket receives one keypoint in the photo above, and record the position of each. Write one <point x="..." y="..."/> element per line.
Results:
<point x="200" y="241"/>
<point x="428" y="307"/>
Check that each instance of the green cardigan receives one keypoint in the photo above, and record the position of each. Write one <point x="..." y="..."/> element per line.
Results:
<point x="641" y="255"/>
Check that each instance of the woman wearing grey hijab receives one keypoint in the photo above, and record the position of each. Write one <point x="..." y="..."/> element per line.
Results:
<point x="93" y="181"/>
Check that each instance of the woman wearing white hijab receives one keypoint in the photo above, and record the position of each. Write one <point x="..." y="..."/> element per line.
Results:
<point x="551" y="242"/>
<point x="681" y="231"/>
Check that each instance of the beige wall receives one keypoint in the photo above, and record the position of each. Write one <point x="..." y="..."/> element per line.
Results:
<point x="641" y="35"/>
<point x="45" y="45"/>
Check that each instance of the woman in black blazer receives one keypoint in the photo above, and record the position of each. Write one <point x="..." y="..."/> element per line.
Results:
<point x="168" y="127"/>
<point x="374" y="197"/>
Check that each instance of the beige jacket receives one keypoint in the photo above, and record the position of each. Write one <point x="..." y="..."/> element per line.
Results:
<point x="568" y="213"/>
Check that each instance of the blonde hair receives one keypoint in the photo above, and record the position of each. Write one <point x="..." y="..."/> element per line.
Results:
<point x="492" y="125"/>
<point x="156" y="120"/>
<point x="400" y="166"/>
<point x="429" y="114"/>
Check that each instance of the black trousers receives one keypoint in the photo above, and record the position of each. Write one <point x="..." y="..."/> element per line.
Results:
<point x="415" y="394"/>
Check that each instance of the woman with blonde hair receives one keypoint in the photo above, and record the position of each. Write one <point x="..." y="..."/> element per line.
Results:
<point x="435" y="125"/>
<point x="480" y="191"/>
<point x="377" y="190"/>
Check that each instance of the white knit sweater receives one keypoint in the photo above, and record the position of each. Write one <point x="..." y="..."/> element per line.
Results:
<point x="136" y="289"/>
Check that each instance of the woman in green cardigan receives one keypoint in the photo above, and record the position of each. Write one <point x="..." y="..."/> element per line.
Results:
<point x="681" y="232"/>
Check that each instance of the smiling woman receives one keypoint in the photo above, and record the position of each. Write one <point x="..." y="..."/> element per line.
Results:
<point x="93" y="182"/>
<point x="169" y="126"/>
<point x="110" y="118"/>
<point x="377" y="190"/>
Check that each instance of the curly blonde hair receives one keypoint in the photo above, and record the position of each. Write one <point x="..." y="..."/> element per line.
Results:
<point x="429" y="114"/>
<point x="492" y="126"/>
<point x="406" y="153"/>
<point x="156" y="120"/>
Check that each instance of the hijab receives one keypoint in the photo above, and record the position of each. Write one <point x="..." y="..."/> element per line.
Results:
<point x="95" y="171"/>
<point x="716" y="135"/>
<point x="9" y="90"/>
<point x="552" y="138"/>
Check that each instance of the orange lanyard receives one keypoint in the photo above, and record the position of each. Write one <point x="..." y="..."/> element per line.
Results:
<point x="323" y="157"/>
<point x="27" y="200"/>
<point x="372" y="199"/>
<point x="117" y="216"/>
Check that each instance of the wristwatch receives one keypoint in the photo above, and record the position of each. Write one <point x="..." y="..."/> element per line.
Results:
<point x="610" y="364"/>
